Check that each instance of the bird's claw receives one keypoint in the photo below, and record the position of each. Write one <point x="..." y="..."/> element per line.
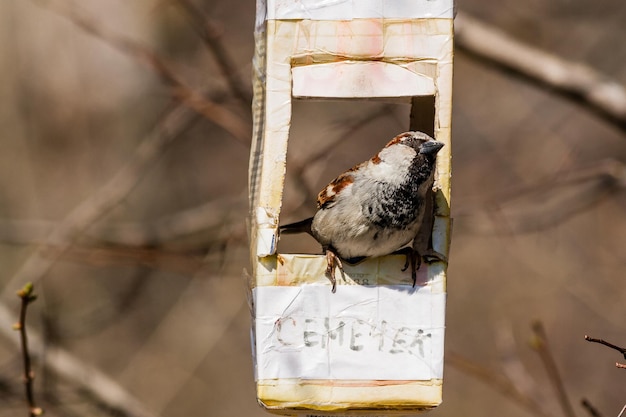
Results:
<point x="432" y="255"/>
<point x="332" y="260"/>
<point x="413" y="259"/>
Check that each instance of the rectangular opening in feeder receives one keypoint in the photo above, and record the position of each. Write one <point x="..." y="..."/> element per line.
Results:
<point x="328" y="137"/>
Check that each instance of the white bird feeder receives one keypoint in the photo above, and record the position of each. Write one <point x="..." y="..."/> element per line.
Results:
<point x="376" y="345"/>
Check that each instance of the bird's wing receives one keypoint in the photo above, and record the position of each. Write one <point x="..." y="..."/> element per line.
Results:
<point x="328" y="195"/>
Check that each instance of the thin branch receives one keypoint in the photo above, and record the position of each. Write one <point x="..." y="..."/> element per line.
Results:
<point x="77" y="372"/>
<point x="540" y="344"/>
<point x="105" y="198"/>
<point x="610" y="345"/>
<point x="593" y="411"/>
<point x="186" y="264"/>
<point x="208" y="30"/>
<point x="135" y="244"/>
<point x="571" y="79"/>
<point x="610" y="171"/>
<point x="27" y="296"/>
<point x="239" y="128"/>
<point x="548" y="202"/>
<point x="496" y="381"/>
<point x="221" y="116"/>
<point x="208" y="217"/>
<point x="538" y="206"/>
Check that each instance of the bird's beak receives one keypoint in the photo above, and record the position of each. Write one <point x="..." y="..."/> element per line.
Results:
<point x="431" y="147"/>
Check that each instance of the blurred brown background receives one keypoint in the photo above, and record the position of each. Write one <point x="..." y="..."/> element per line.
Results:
<point x="97" y="150"/>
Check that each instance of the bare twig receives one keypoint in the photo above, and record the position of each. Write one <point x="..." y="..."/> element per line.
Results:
<point x="79" y="373"/>
<point x="610" y="345"/>
<point x="572" y="79"/>
<point x="221" y="116"/>
<point x="27" y="296"/>
<point x="540" y="344"/>
<point x="496" y="381"/>
<point x="210" y="34"/>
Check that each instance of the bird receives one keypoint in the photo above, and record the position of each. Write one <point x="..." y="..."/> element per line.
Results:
<point x="377" y="207"/>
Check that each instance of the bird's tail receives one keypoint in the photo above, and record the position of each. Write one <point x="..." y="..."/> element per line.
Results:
<point x="303" y="226"/>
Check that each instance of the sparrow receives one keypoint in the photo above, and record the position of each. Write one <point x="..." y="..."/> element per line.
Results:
<point x="377" y="207"/>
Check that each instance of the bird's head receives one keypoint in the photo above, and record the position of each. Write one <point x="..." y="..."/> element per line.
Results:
<point x="418" y="141"/>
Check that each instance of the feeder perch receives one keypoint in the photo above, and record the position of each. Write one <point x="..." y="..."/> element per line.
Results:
<point x="375" y="346"/>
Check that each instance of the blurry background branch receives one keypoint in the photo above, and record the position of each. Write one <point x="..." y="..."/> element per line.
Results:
<point x="104" y="199"/>
<point x="591" y="409"/>
<point x="532" y="208"/>
<point x="111" y="193"/>
<point x="237" y="126"/>
<point x="573" y="79"/>
<point x="539" y="342"/>
<point x="545" y="203"/>
<point x="210" y="33"/>
<point x="346" y="128"/>
<point x="524" y="394"/>
<point x="170" y="230"/>
<point x="496" y="381"/>
<point x="592" y="184"/>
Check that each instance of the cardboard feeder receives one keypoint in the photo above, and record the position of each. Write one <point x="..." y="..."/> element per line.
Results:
<point x="376" y="345"/>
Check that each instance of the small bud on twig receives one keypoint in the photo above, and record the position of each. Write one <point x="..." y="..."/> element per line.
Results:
<point x="27" y="296"/>
<point x="610" y="345"/>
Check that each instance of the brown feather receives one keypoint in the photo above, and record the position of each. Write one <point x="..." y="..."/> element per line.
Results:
<point x="327" y="195"/>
